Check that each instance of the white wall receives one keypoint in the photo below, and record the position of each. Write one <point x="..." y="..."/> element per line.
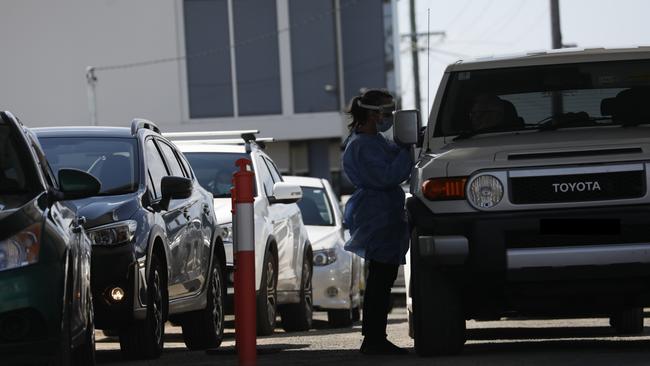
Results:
<point x="47" y="46"/>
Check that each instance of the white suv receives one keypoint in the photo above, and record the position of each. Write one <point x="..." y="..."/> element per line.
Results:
<point x="530" y="195"/>
<point x="283" y="254"/>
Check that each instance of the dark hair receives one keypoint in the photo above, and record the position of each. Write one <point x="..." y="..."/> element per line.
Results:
<point x="369" y="97"/>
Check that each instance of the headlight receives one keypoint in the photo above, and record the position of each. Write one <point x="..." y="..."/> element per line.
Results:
<point x="113" y="234"/>
<point x="226" y="233"/>
<point x="324" y="257"/>
<point x="21" y="249"/>
<point x="485" y="191"/>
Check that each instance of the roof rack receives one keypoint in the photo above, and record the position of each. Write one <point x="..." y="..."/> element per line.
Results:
<point x="140" y="123"/>
<point x="225" y="141"/>
<point x="173" y="135"/>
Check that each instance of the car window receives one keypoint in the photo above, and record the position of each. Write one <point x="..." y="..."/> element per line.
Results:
<point x="113" y="161"/>
<point x="277" y="177"/>
<point x="266" y="178"/>
<point x="171" y="159"/>
<point x="185" y="164"/>
<point x="17" y="172"/>
<point x="155" y="166"/>
<point x="315" y="207"/>
<point x="214" y="170"/>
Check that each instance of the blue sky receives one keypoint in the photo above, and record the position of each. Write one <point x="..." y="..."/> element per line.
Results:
<point x="494" y="27"/>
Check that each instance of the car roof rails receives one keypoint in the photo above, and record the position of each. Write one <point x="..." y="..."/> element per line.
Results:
<point x="140" y="123"/>
<point x="174" y="135"/>
<point x="247" y="137"/>
<point x="224" y="141"/>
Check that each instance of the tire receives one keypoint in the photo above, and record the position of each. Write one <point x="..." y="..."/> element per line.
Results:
<point x="84" y="354"/>
<point x="438" y="320"/>
<point x="144" y="338"/>
<point x="340" y="318"/>
<point x="298" y="317"/>
<point x="267" y="297"/>
<point x="356" y="314"/>
<point x="628" y="321"/>
<point x="204" y="328"/>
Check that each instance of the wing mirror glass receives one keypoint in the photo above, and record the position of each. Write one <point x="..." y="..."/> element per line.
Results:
<point x="285" y="193"/>
<point x="406" y="128"/>
<point x="77" y="184"/>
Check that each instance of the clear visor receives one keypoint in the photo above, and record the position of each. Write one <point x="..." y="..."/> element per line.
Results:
<point x="383" y="109"/>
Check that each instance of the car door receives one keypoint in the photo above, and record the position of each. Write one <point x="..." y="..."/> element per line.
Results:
<point x="175" y="220"/>
<point x="198" y="232"/>
<point x="284" y="228"/>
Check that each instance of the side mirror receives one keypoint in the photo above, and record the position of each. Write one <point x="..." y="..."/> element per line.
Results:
<point x="173" y="187"/>
<point x="285" y="193"/>
<point x="406" y="129"/>
<point x="76" y="184"/>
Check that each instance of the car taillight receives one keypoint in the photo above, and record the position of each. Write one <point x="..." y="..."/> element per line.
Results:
<point x="439" y="189"/>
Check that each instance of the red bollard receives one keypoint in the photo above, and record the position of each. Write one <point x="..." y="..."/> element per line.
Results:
<point x="244" y="255"/>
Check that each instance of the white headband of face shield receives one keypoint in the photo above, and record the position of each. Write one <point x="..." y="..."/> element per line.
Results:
<point x="384" y="108"/>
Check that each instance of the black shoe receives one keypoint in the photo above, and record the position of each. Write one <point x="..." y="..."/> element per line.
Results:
<point x="381" y="347"/>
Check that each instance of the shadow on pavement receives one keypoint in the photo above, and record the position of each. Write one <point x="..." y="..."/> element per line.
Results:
<point x="543" y="333"/>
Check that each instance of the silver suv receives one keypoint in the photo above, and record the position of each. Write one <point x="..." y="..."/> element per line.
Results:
<point x="530" y="193"/>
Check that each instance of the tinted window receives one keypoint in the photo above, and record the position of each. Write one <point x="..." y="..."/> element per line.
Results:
<point x="172" y="162"/>
<point x="265" y="177"/>
<point x="214" y="170"/>
<point x="156" y="166"/>
<point x="17" y="171"/>
<point x="275" y="174"/>
<point x="258" y="63"/>
<point x="314" y="68"/>
<point x="113" y="161"/>
<point x="315" y="207"/>
<point x="570" y="95"/>
<point x="209" y="79"/>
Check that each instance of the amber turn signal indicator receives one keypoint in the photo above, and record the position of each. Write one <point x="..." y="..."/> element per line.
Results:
<point x="439" y="189"/>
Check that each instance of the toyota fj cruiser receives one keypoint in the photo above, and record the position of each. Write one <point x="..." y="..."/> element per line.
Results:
<point x="530" y="193"/>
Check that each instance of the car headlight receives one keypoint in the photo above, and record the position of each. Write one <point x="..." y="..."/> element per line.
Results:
<point x="21" y="249"/>
<point x="226" y="233"/>
<point x="113" y="234"/>
<point x="485" y="191"/>
<point x="324" y="257"/>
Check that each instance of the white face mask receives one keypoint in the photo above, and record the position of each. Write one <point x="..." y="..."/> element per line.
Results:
<point x="385" y="124"/>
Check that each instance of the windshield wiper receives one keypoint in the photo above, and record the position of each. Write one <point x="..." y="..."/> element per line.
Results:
<point x="554" y="122"/>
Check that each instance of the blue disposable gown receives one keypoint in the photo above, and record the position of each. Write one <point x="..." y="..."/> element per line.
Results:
<point x="375" y="213"/>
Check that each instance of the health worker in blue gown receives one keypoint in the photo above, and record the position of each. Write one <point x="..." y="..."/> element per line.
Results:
<point x="375" y="213"/>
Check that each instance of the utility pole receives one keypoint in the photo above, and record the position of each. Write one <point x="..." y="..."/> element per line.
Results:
<point x="414" y="56"/>
<point x="556" y="31"/>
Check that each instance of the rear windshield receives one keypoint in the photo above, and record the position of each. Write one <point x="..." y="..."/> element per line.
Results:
<point x="555" y="96"/>
<point x="17" y="169"/>
<point x="113" y="161"/>
<point x="315" y="207"/>
<point x="214" y="170"/>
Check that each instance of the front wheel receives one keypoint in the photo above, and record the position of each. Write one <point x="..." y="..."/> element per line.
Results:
<point x="204" y="328"/>
<point x="144" y="338"/>
<point x="438" y="319"/>
<point x="267" y="297"/>
<point x="298" y="317"/>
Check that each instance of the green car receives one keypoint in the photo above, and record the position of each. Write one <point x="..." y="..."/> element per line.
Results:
<point x="45" y="300"/>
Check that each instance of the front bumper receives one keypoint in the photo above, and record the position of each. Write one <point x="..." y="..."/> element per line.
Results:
<point x="582" y="258"/>
<point x="332" y="283"/>
<point x="30" y="311"/>
<point x="113" y="267"/>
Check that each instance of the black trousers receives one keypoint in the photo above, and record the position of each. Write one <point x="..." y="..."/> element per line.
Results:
<point x="376" y="300"/>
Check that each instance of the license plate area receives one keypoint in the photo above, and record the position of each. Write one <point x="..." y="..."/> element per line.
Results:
<point x="583" y="227"/>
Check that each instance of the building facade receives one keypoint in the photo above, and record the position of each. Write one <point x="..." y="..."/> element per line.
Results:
<point x="285" y="67"/>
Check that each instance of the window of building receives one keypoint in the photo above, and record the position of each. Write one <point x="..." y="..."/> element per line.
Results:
<point x="257" y="55"/>
<point x="313" y="55"/>
<point x="207" y="44"/>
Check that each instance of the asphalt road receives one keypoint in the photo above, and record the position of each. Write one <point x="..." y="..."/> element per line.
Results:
<point x="506" y="342"/>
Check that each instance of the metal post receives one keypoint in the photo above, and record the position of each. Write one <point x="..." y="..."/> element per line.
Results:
<point x="556" y="32"/>
<point x="414" y="56"/>
<point x="339" y="55"/>
<point x="244" y="248"/>
<point x="91" y="82"/>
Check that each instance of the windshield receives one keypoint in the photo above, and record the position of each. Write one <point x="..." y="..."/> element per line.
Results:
<point x="572" y="95"/>
<point x="18" y="178"/>
<point x="315" y="207"/>
<point x="214" y="170"/>
<point x="113" y="161"/>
